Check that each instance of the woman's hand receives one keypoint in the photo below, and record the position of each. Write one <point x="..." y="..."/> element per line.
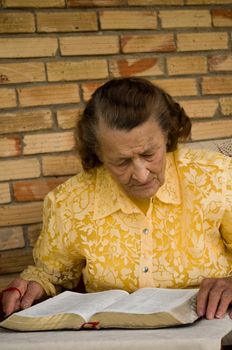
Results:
<point x="214" y="297"/>
<point x="30" y="292"/>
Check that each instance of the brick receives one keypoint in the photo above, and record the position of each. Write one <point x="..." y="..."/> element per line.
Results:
<point x="67" y="118"/>
<point x="52" y="142"/>
<point x="89" y="45"/>
<point x="94" y="3"/>
<point x="15" y="260"/>
<point x="22" y="72"/>
<point x="128" y="20"/>
<point x="202" y="41"/>
<point x="33" y="233"/>
<point x="217" y="85"/>
<point x="5" y="196"/>
<point x="155" y="2"/>
<point x="49" y="94"/>
<point x="28" y="47"/>
<point x="25" y="121"/>
<point x="148" y="43"/>
<point x="7" y="98"/>
<point x="20" y="214"/>
<point x="17" y="22"/>
<point x="186" y="65"/>
<point x="64" y="21"/>
<point x="33" y="3"/>
<point x="220" y="63"/>
<point x="67" y="70"/>
<point x="207" y="2"/>
<point x="222" y="17"/>
<point x="137" y="67"/>
<point x="211" y="130"/>
<point x="11" y="237"/>
<point x="19" y="169"/>
<point x="200" y="108"/>
<point x="10" y="146"/>
<point x="178" y="87"/>
<point x="189" y="18"/>
<point x="34" y="190"/>
<point x="61" y="165"/>
<point x="226" y="105"/>
<point x="89" y="88"/>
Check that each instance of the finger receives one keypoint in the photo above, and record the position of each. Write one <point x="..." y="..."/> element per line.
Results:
<point x="34" y="292"/>
<point x="11" y="299"/>
<point x="202" y="296"/>
<point x="225" y="301"/>
<point x="214" y="298"/>
<point x="10" y="302"/>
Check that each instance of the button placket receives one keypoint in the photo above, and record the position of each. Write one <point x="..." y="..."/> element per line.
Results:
<point x="145" y="278"/>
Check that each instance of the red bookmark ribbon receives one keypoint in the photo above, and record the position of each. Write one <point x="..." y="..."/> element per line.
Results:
<point x="92" y="325"/>
<point x="12" y="289"/>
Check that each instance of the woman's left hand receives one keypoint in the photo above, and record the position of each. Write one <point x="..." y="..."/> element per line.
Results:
<point x="214" y="297"/>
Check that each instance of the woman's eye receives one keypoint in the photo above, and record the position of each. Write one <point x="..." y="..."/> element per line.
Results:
<point x="124" y="163"/>
<point x="148" y="155"/>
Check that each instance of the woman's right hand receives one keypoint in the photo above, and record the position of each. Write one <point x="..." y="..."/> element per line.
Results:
<point x="30" y="292"/>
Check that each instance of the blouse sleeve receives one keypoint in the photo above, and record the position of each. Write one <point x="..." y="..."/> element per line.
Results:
<point x="226" y="224"/>
<point x="55" y="264"/>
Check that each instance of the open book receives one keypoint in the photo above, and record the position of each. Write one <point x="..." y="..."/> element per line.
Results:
<point x="145" y="308"/>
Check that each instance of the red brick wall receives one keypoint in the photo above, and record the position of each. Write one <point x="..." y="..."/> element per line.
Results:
<point x="54" y="53"/>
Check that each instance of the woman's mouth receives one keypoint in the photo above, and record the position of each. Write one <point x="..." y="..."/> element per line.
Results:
<point x="149" y="183"/>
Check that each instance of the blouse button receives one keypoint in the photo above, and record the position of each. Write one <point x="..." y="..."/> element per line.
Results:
<point x="145" y="231"/>
<point x="145" y="269"/>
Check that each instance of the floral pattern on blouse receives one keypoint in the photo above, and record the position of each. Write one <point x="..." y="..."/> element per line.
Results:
<point x="90" y="226"/>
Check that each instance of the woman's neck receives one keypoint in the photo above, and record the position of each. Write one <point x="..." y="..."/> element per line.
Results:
<point x="142" y="203"/>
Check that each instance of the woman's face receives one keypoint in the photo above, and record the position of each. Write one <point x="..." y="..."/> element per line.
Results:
<point x="136" y="158"/>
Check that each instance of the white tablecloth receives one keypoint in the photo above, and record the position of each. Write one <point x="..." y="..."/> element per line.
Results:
<point x="203" y="335"/>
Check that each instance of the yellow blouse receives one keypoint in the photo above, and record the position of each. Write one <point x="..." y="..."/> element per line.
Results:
<point x="91" y="226"/>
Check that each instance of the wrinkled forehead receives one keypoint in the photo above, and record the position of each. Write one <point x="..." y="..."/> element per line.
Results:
<point x="124" y="143"/>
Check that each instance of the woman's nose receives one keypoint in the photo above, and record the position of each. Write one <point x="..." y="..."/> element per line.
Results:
<point x="140" y="172"/>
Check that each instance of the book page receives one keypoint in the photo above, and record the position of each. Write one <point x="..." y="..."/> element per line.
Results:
<point x="150" y="300"/>
<point x="84" y="305"/>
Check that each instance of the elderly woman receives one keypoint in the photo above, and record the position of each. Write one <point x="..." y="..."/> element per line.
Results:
<point x="145" y="212"/>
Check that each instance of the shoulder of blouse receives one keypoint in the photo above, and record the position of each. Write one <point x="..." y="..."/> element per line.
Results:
<point x="73" y="187"/>
<point x="188" y="156"/>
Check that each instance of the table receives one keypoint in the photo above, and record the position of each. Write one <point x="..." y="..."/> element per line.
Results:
<point x="203" y="335"/>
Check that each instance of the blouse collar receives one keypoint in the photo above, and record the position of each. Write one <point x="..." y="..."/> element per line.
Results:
<point x="109" y="197"/>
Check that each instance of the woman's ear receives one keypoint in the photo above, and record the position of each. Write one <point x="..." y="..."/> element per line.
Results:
<point x="99" y="154"/>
